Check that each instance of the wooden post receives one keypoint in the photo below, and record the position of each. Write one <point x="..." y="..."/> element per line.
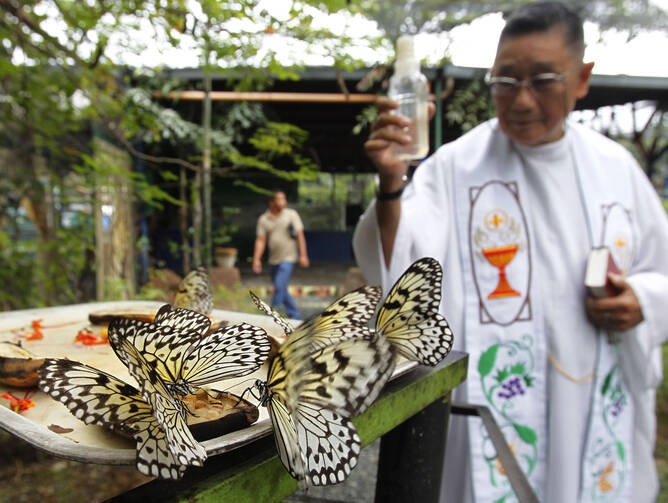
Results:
<point x="183" y="220"/>
<point x="206" y="163"/>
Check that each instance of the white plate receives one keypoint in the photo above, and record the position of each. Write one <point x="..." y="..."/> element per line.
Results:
<point x="92" y="443"/>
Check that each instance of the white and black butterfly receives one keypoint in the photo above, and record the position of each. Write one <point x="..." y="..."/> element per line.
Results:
<point x="194" y="292"/>
<point x="409" y="316"/>
<point x="165" y="446"/>
<point x="179" y="347"/>
<point x="347" y="317"/>
<point x="328" y="371"/>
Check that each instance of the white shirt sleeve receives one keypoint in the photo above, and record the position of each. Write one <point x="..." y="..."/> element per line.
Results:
<point x="423" y="228"/>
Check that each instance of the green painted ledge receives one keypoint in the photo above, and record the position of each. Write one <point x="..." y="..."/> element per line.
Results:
<point x="260" y="476"/>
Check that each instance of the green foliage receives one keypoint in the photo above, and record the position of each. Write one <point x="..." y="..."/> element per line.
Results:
<point x="233" y="298"/>
<point x="150" y="291"/>
<point x="62" y="79"/>
<point x="469" y="106"/>
<point x="69" y="250"/>
<point x="323" y="200"/>
<point x="17" y="267"/>
<point x="223" y="234"/>
<point x="101" y="168"/>
<point x="30" y="281"/>
<point x="365" y="118"/>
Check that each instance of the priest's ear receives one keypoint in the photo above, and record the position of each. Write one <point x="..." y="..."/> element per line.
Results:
<point x="582" y="85"/>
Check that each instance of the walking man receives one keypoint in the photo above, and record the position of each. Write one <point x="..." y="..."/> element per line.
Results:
<point x="282" y="228"/>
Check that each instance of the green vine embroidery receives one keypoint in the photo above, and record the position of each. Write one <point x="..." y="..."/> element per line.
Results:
<point x="609" y="459"/>
<point x="506" y="375"/>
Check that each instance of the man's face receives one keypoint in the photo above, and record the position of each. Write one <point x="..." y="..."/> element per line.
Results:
<point x="527" y="116"/>
<point x="279" y="201"/>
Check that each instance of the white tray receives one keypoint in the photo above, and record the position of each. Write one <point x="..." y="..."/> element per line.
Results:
<point x="92" y="443"/>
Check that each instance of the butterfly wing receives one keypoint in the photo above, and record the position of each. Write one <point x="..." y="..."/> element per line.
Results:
<point x="165" y="344"/>
<point x="330" y="444"/>
<point x="311" y="398"/>
<point x="285" y="437"/>
<point x="168" y="411"/>
<point x="409" y="317"/>
<point x="266" y="309"/>
<point x="347" y="317"/>
<point x="348" y="376"/>
<point x="96" y="397"/>
<point x="231" y="351"/>
<point x="182" y="320"/>
<point x="194" y="292"/>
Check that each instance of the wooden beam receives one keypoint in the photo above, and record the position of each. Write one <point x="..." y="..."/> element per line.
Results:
<point x="270" y="96"/>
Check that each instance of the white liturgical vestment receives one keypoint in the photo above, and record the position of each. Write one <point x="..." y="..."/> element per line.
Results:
<point x="512" y="227"/>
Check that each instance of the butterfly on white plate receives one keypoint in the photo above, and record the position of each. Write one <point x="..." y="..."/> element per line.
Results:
<point x="194" y="292"/>
<point x="409" y="316"/>
<point x="165" y="447"/>
<point x="184" y="354"/>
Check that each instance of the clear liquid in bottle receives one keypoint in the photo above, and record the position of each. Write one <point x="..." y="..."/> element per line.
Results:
<point x="409" y="88"/>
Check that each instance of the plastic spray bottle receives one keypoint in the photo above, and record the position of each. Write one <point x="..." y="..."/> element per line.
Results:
<point x="409" y="88"/>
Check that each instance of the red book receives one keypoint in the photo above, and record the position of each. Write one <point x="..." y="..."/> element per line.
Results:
<point x="599" y="264"/>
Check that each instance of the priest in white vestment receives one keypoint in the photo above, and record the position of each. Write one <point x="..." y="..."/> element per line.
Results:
<point x="511" y="210"/>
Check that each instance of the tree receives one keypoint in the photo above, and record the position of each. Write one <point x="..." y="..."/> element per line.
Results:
<point x="62" y="75"/>
<point x="396" y="17"/>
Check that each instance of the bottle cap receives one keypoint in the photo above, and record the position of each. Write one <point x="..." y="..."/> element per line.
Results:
<point x="406" y="62"/>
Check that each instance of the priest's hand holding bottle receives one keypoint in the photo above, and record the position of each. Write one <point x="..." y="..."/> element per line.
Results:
<point x="400" y="133"/>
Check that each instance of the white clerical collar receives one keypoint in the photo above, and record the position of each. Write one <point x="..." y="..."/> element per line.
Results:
<point x="548" y="152"/>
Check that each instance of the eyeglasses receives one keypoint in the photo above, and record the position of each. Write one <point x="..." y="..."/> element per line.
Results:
<point x="542" y="84"/>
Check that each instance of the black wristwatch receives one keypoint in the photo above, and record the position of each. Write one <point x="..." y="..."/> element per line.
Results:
<point x="389" y="196"/>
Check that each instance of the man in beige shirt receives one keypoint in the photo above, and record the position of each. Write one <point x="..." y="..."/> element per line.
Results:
<point x="284" y="231"/>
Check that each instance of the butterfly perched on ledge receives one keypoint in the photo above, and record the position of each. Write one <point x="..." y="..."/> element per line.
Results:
<point x="184" y="354"/>
<point x="408" y="317"/>
<point x="313" y="393"/>
<point x="165" y="446"/>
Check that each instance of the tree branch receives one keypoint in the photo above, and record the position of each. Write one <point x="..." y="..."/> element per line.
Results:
<point x="23" y="17"/>
<point x="152" y="158"/>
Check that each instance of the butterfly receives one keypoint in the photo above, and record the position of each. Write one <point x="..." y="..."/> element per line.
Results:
<point x="165" y="446"/>
<point x="409" y="316"/>
<point x="194" y="292"/>
<point x="328" y="370"/>
<point x="184" y="355"/>
<point x="311" y="396"/>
